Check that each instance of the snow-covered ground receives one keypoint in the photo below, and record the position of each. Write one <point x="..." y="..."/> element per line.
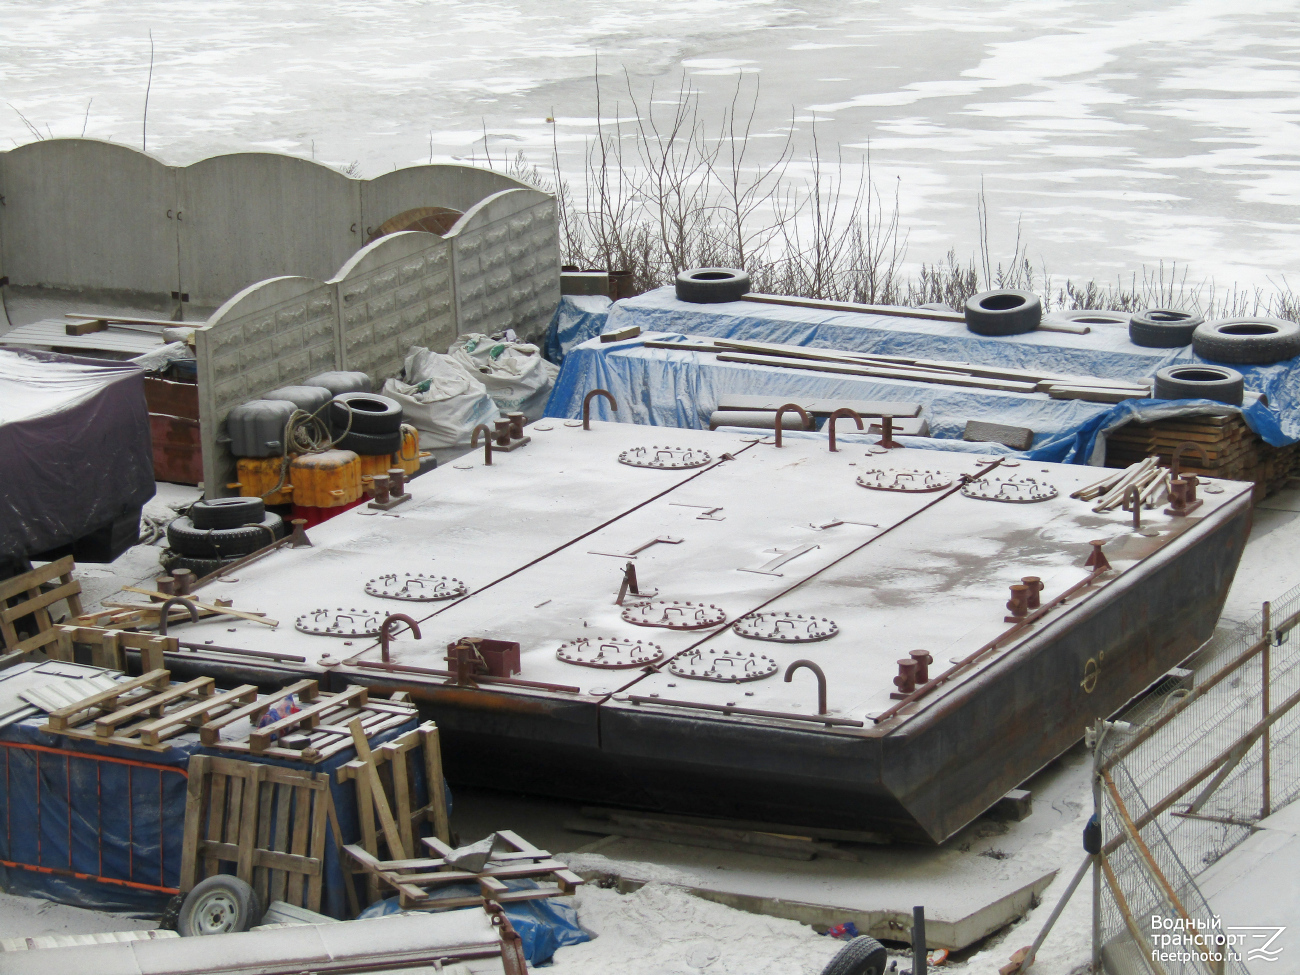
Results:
<point x="1118" y="134"/>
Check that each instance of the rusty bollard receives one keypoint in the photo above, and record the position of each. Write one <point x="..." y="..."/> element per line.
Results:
<point x="1097" y="561"/>
<point x="380" y="484"/>
<point x="1035" y="586"/>
<point x="923" y="661"/>
<point x="906" y="679"/>
<point x="502" y="433"/>
<point x="165" y="585"/>
<point x="1018" y="604"/>
<point x="396" y="482"/>
<point x="517" y="421"/>
<point x="182" y="580"/>
<point x="887" y="432"/>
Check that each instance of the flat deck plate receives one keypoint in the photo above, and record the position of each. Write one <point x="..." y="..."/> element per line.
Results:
<point x="541" y="539"/>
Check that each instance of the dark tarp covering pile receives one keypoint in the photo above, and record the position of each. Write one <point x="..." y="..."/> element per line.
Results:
<point x="75" y="450"/>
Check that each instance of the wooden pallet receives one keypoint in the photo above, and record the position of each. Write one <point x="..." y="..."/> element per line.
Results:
<point x="411" y="877"/>
<point x="108" y="647"/>
<point x="1233" y="451"/>
<point x="392" y="761"/>
<point x="26" y="595"/>
<point x="269" y="822"/>
<point x="146" y="711"/>
<point x="322" y="721"/>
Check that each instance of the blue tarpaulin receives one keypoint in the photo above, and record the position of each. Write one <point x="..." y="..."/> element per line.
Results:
<point x="670" y="388"/>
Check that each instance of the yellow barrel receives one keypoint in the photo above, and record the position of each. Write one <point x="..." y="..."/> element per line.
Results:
<point x="259" y="476"/>
<point x="408" y="458"/>
<point x="326" y="480"/>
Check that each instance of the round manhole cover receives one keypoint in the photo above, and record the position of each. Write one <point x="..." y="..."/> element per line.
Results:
<point x="609" y="652"/>
<point x="724" y="666"/>
<point x="785" y="627"/>
<point x="904" y="479"/>
<point x="416" y="587"/>
<point x="1014" y="490"/>
<point x="340" y="622"/>
<point x="674" y="615"/>
<point x="665" y="458"/>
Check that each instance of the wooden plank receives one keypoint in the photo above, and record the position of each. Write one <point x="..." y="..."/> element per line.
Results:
<point x="64" y="650"/>
<point x="168" y="724"/>
<point x="891" y="311"/>
<point x="881" y="373"/>
<point x="39" y="602"/>
<point x="391" y="834"/>
<point x="369" y="836"/>
<point x="210" y="733"/>
<point x="105" y="725"/>
<point x="436" y="783"/>
<point x="301" y="834"/>
<point x="261" y="879"/>
<point x="401" y="796"/>
<point x="286" y="863"/>
<point x="197" y="800"/>
<point x="107" y="652"/>
<point x="283" y="803"/>
<point x="252" y="617"/>
<point x="248" y="823"/>
<point x="216" y="819"/>
<point x="818" y="407"/>
<point x="307" y="717"/>
<point x="106" y="698"/>
<point x="316" y="850"/>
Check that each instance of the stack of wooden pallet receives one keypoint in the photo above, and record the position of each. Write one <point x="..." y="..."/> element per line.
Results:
<point x="1232" y="449"/>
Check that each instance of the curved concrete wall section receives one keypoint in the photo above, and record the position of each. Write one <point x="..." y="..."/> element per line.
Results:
<point x="79" y="213"/>
<point x="394" y="293"/>
<point x="506" y="260"/>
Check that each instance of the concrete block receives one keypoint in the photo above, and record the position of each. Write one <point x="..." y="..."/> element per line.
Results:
<point x="1017" y="438"/>
<point x="1014" y="807"/>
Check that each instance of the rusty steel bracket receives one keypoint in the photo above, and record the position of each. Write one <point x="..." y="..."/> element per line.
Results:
<point x="384" y="499"/>
<point x="665" y="539"/>
<point x="1097" y="560"/>
<point x="385" y="631"/>
<point x="803" y="414"/>
<point x="769" y="568"/>
<point x="848" y="414"/>
<point x="629" y="586"/>
<point x="828" y="720"/>
<point x="887" y="432"/>
<point x="487" y="442"/>
<point x="586" y="405"/>
<point x="1176" y="464"/>
<point x="165" y="610"/>
<point x="710" y="511"/>
<point x="821" y="681"/>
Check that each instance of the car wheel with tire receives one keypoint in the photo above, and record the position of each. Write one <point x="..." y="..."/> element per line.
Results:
<point x="219" y="905"/>
<point x="1247" y="341"/>
<point x="371" y="414"/>
<point x="200" y="567"/>
<point x="710" y="285"/>
<point x="1197" y="381"/>
<point x="861" y="956"/>
<point x="184" y="538"/>
<point x="227" y="512"/>
<point x="1163" y="328"/>
<point x="1003" y="312"/>
<point x="371" y="444"/>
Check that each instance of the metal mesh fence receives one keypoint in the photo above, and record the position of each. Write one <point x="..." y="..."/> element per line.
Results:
<point x="1185" y="781"/>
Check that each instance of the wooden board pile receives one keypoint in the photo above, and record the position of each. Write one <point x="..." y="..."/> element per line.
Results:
<point x="1232" y="449"/>
<point x="1094" y="389"/>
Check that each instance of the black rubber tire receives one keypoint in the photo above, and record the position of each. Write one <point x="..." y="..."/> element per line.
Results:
<point x="1197" y="381"/>
<point x="1092" y="316"/>
<point x="1247" y="341"/>
<point x="371" y="414"/>
<point x="227" y="512"/>
<point x="710" y="285"/>
<point x="861" y="956"/>
<point x="223" y="543"/>
<point x="371" y="444"/>
<point x="200" y="567"/>
<point x="219" y="905"/>
<point x="1163" y="328"/>
<point x="1003" y="312"/>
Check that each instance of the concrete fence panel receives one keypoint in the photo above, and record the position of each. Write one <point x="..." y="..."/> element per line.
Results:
<point x="275" y="333"/>
<point x="81" y="214"/>
<point x="393" y="294"/>
<point x="457" y="187"/>
<point x="506" y="264"/>
<point x="250" y="216"/>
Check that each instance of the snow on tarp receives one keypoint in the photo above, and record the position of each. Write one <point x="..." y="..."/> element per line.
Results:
<point x="577" y="318"/>
<point x="669" y="388"/>
<point x="75" y="448"/>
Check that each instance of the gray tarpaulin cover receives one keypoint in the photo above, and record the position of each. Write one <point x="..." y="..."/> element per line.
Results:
<point x="75" y="450"/>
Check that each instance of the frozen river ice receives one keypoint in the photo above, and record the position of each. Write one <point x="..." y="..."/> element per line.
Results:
<point x="1119" y="133"/>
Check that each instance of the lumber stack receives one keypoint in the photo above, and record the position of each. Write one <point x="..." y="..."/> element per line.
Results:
<point x="1233" y="450"/>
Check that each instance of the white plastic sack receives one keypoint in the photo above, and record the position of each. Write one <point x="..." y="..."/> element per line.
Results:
<point x="516" y="376"/>
<point x="441" y="399"/>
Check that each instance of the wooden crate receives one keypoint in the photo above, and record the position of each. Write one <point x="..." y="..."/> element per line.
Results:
<point x="269" y="822"/>
<point x="26" y="595"/>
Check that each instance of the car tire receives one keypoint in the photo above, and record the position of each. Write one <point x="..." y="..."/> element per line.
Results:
<point x="219" y="905"/>
<point x="710" y="285"/>
<point x="371" y="414"/>
<point x="223" y="543"/>
<point x="200" y="567"/>
<point x="1163" y="328"/>
<point x="227" y="512"/>
<point x="371" y="444"/>
<point x="1198" y="381"/>
<point x="1003" y="312"/>
<point x="1247" y="341"/>
<point x="861" y="956"/>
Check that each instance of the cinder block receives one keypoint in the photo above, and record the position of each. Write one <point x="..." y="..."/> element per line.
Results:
<point x="1017" y="438"/>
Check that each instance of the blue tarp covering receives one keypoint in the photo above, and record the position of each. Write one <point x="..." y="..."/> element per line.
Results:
<point x="669" y="388"/>
<point x="80" y="811"/>
<point x="577" y="319"/>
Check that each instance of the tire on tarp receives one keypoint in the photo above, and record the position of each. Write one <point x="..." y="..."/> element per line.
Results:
<point x="1163" y="328"/>
<point x="1003" y="312"/>
<point x="1197" y="381"/>
<point x="711" y="285"/>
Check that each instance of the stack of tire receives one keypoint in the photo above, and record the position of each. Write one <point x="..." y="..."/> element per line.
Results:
<point x="371" y="426"/>
<point x="218" y="532"/>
